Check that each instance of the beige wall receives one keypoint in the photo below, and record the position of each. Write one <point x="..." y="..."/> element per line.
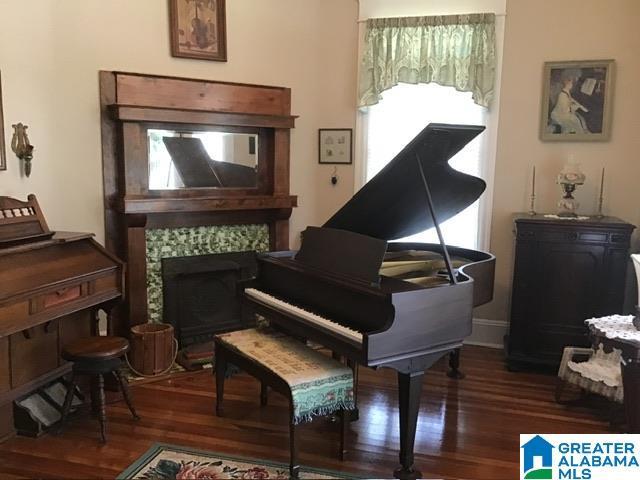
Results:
<point x="50" y="55"/>
<point x="51" y="51"/>
<point x="547" y="30"/>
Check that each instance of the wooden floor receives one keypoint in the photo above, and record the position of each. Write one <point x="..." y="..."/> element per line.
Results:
<point x="467" y="428"/>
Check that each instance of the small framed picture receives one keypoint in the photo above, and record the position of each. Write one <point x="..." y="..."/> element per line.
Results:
<point x="335" y="145"/>
<point x="576" y="100"/>
<point x="198" y="29"/>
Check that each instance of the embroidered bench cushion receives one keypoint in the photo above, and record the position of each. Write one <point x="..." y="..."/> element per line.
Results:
<point x="319" y="384"/>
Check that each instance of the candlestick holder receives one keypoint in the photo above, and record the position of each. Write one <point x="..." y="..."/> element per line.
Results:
<point x="532" y="200"/>
<point x="601" y="197"/>
<point x="532" y="205"/>
<point x="600" y="214"/>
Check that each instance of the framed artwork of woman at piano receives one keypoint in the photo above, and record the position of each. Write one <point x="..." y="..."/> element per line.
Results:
<point x="576" y="100"/>
<point x="198" y="29"/>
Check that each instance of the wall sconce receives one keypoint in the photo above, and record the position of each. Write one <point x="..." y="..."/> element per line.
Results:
<point x="21" y="146"/>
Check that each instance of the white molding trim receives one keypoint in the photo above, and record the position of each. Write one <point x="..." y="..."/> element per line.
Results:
<point x="488" y="333"/>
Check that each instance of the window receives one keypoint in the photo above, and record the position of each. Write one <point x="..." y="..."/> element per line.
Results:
<point x="401" y="114"/>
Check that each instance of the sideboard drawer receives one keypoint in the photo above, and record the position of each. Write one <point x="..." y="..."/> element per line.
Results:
<point x="57" y="298"/>
<point x="34" y="352"/>
<point x="60" y="297"/>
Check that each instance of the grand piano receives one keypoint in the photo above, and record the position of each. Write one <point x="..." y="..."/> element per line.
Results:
<point x="380" y="303"/>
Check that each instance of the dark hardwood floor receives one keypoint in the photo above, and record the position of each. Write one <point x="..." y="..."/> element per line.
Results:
<point x="467" y="428"/>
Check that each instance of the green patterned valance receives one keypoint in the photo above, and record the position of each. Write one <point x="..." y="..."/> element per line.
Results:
<point x="453" y="50"/>
<point x="190" y="241"/>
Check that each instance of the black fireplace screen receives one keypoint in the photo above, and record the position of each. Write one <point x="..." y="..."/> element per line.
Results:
<point x="200" y="295"/>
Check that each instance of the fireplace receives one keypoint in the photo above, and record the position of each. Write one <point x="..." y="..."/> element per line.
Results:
<point x="200" y="295"/>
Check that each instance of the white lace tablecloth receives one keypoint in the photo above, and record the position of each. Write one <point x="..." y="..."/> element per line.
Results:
<point x="616" y="327"/>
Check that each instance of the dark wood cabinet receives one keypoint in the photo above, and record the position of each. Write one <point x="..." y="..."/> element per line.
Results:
<point x="565" y="272"/>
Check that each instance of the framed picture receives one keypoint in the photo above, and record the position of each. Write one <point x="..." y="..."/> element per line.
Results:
<point x="3" y="158"/>
<point x="576" y="100"/>
<point x="198" y="29"/>
<point x="335" y="145"/>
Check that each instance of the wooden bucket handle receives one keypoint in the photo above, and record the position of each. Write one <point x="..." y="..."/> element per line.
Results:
<point x="140" y="374"/>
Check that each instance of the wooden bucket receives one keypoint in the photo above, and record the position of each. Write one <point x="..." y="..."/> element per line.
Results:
<point x="152" y="348"/>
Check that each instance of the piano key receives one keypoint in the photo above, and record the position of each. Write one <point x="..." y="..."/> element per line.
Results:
<point x="306" y="315"/>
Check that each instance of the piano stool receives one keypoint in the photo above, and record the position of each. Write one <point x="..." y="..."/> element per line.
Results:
<point x="96" y="356"/>
<point x="284" y="354"/>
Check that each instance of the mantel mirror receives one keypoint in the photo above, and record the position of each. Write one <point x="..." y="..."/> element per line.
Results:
<point x="202" y="159"/>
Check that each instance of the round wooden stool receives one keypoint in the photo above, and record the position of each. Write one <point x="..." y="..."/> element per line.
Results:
<point x="96" y="356"/>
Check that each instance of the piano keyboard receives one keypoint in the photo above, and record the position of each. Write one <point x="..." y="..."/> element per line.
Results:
<point x="304" y="314"/>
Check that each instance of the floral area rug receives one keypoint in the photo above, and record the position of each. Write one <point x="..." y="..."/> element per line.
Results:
<point x="170" y="462"/>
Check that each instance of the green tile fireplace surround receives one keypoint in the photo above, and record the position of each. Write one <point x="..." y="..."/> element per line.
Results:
<point x="191" y="241"/>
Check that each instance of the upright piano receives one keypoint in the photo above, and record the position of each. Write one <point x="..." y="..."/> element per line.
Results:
<point x="379" y="303"/>
<point x="51" y="285"/>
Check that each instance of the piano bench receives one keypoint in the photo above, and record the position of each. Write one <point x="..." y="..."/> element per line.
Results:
<point x="315" y="384"/>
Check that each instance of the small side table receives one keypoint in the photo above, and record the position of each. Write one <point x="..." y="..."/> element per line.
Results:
<point x="617" y="331"/>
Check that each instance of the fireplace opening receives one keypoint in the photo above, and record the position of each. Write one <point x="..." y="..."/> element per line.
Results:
<point x="200" y="296"/>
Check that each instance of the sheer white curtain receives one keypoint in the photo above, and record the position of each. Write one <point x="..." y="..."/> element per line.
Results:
<point x="401" y="114"/>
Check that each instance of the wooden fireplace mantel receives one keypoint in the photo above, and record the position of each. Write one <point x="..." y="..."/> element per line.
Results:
<point x="132" y="103"/>
<point x="145" y="205"/>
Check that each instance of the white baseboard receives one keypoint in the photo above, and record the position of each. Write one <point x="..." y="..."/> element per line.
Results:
<point x="487" y="333"/>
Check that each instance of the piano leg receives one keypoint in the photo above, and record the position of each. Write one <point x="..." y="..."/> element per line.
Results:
<point x="454" y="365"/>
<point x="409" y="388"/>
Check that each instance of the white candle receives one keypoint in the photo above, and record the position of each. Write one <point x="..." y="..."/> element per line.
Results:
<point x="533" y="181"/>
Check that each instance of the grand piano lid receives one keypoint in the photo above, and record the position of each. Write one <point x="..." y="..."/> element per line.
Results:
<point x="393" y="204"/>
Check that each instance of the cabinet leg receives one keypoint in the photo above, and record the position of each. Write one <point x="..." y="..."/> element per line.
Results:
<point x="631" y="385"/>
